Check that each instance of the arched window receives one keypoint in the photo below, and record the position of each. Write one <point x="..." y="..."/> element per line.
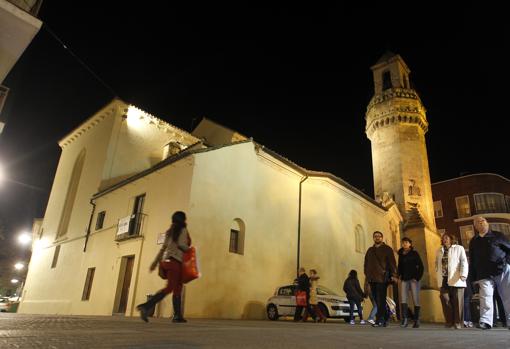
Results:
<point x="386" y="80"/>
<point x="71" y="194"/>
<point x="359" y="239"/>
<point x="237" y="230"/>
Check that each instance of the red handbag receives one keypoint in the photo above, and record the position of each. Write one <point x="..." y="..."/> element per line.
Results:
<point x="190" y="265"/>
<point x="301" y="298"/>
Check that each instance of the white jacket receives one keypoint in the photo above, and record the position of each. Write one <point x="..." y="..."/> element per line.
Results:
<point x="457" y="266"/>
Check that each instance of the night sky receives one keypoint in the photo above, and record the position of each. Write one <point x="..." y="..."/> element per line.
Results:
<point x="296" y="79"/>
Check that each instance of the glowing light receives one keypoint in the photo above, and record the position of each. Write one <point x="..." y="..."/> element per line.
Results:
<point x="14" y="281"/>
<point x="24" y="238"/>
<point x="135" y="117"/>
<point x="19" y="266"/>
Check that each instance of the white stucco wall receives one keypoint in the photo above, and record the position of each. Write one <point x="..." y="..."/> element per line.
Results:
<point x="214" y="188"/>
<point x="331" y="213"/>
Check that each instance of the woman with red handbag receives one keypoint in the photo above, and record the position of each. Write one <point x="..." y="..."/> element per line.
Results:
<point x="303" y="286"/>
<point x="169" y="258"/>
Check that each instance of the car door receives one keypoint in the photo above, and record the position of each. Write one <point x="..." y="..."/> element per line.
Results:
<point x="286" y="300"/>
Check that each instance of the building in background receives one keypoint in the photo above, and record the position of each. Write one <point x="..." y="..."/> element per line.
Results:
<point x="458" y="200"/>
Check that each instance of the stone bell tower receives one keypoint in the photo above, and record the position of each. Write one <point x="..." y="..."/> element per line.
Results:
<point x="396" y="124"/>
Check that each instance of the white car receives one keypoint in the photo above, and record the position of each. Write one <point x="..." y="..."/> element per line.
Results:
<point x="5" y="304"/>
<point x="283" y="303"/>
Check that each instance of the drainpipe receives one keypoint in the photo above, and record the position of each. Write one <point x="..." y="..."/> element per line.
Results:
<point x="90" y="223"/>
<point x="299" y="223"/>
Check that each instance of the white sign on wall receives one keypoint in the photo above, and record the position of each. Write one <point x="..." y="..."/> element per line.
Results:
<point x="123" y="226"/>
<point x="161" y="238"/>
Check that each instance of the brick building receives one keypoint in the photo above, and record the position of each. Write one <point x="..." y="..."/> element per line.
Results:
<point x="457" y="201"/>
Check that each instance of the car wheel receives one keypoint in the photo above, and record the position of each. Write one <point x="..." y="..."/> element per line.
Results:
<point x="272" y="312"/>
<point x="324" y="310"/>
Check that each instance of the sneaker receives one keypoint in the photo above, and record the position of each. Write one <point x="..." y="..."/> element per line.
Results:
<point x="470" y="324"/>
<point x="352" y="322"/>
<point x="362" y="322"/>
<point x="371" y="322"/>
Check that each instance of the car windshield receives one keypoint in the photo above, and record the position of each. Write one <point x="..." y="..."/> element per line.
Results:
<point x="324" y="291"/>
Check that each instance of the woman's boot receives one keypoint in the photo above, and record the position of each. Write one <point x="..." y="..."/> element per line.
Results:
<point x="145" y="307"/>
<point x="416" y="317"/>
<point x="177" y="310"/>
<point x="405" y="320"/>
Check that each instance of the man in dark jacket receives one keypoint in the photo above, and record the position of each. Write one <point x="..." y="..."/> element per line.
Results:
<point x="380" y="270"/>
<point x="303" y="284"/>
<point x="489" y="257"/>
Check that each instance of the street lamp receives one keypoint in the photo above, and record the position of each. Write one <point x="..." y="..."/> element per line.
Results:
<point x="19" y="288"/>
<point x="24" y="238"/>
<point x="19" y="266"/>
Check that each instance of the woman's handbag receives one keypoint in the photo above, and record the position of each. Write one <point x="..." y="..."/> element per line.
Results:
<point x="190" y="265"/>
<point x="161" y="271"/>
<point x="301" y="298"/>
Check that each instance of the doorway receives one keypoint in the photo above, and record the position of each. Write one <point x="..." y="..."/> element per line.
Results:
<point x="122" y="294"/>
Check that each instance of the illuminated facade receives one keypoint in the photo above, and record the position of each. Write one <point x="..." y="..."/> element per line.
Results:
<point x="396" y="124"/>
<point x="253" y="215"/>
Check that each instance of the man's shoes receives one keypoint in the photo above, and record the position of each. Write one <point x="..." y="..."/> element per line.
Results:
<point x="458" y="326"/>
<point x="376" y="324"/>
<point x="180" y="320"/>
<point x="362" y="322"/>
<point x="351" y="322"/>
<point x="371" y="322"/>
<point x="483" y="326"/>
<point x="143" y="312"/>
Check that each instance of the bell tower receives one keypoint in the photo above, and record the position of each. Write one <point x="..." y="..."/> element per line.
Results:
<point x="396" y="124"/>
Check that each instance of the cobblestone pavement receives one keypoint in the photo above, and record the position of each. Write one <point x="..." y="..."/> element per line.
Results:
<point x="47" y="331"/>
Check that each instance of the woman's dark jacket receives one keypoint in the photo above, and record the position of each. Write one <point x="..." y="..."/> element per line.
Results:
<point x="303" y="283"/>
<point x="410" y="265"/>
<point x="353" y="289"/>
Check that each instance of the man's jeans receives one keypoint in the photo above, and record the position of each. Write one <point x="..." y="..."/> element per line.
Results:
<point x="374" y="308"/>
<point x="414" y="286"/>
<point x="502" y="282"/>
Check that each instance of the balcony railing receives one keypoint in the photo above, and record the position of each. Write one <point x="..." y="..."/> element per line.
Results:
<point x="135" y="227"/>
<point x="30" y="6"/>
<point x="493" y="210"/>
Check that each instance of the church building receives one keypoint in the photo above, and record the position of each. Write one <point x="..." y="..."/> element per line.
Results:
<point x="253" y="215"/>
